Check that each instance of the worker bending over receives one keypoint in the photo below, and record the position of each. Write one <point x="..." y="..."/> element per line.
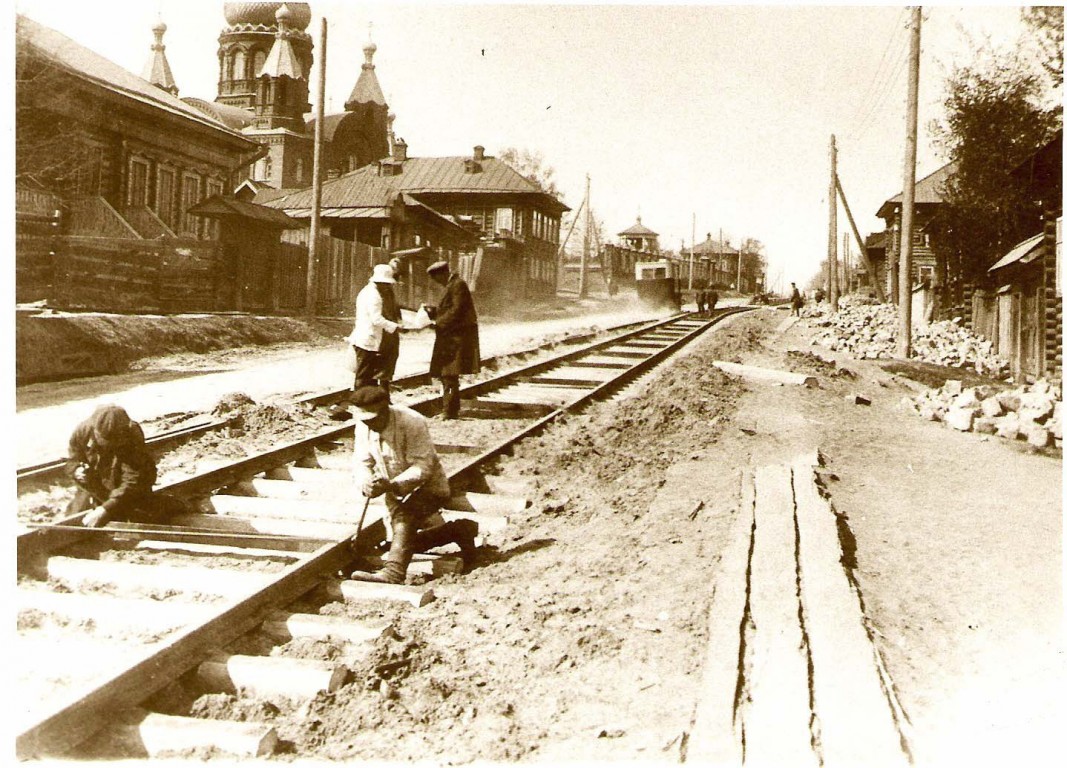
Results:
<point x="114" y="471"/>
<point x="395" y="457"/>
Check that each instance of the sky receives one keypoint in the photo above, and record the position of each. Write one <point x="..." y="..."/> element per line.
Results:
<point x="722" y="112"/>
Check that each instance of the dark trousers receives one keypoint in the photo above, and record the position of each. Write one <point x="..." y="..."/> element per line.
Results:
<point x="450" y="396"/>
<point x="146" y="508"/>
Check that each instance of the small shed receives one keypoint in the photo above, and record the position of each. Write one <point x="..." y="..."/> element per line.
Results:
<point x="1014" y="317"/>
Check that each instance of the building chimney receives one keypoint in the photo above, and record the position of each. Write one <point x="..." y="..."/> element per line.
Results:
<point x="479" y="152"/>
<point x="400" y="150"/>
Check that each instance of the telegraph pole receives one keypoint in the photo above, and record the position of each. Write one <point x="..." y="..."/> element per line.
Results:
<point x="911" y="126"/>
<point x="316" y="188"/>
<point x="831" y="254"/>
<point x="585" y="242"/>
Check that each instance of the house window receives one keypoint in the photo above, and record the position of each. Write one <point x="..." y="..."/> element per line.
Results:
<point x="257" y="63"/>
<point x="239" y="66"/>
<point x="165" y="196"/>
<point x="211" y="226"/>
<point x="190" y="197"/>
<point x="505" y="220"/>
<point x="138" y="183"/>
<point x="300" y="170"/>
<point x="926" y="274"/>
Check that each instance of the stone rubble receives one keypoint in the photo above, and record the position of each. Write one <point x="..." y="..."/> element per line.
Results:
<point x="870" y="331"/>
<point x="1031" y="412"/>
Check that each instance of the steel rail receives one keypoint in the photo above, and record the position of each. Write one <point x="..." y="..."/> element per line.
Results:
<point x="83" y="714"/>
<point x="46" y="470"/>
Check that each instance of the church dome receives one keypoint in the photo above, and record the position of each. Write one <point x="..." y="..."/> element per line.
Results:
<point x="264" y="13"/>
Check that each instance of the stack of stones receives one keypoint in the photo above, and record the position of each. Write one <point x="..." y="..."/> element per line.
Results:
<point x="869" y="331"/>
<point x="1031" y="412"/>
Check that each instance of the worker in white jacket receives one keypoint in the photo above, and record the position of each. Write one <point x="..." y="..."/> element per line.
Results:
<point x="375" y="337"/>
<point x="394" y="457"/>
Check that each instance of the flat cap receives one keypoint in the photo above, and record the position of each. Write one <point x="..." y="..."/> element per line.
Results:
<point x="369" y="401"/>
<point x="437" y="266"/>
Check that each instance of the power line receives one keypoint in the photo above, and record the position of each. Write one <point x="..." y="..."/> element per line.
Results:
<point x="888" y="88"/>
<point x="872" y="90"/>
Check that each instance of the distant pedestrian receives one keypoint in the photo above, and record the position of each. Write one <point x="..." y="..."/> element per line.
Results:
<point x="114" y="471"/>
<point x="455" y="349"/>
<point x="796" y="300"/>
<point x="711" y="300"/>
<point x="376" y="335"/>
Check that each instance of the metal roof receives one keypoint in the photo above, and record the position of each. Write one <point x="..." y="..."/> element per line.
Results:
<point x="639" y="230"/>
<point x="1025" y="252"/>
<point x="91" y="66"/>
<point x="369" y="212"/>
<point x="232" y="117"/>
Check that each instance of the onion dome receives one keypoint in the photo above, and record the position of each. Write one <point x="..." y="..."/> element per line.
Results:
<point x="264" y="14"/>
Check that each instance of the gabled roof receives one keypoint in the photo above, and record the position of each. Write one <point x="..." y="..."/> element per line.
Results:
<point x="219" y="207"/>
<point x="927" y="190"/>
<point x="91" y="66"/>
<point x="364" y="187"/>
<point x="876" y="240"/>
<point x="638" y="230"/>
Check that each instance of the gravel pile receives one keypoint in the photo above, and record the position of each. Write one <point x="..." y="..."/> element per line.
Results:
<point x="1031" y="412"/>
<point x="869" y="331"/>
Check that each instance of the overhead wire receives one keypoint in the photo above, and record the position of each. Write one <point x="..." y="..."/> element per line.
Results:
<point x="887" y="89"/>
<point x="872" y="89"/>
<point x="883" y="86"/>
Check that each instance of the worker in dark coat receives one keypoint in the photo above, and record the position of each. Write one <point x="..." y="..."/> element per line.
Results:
<point x="455" y="348"/>
<point x="113" y="470"/>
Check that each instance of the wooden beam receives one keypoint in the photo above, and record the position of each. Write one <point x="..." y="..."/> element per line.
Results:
<point x="356" y="591"/>
<point x="716" y="736"/>
<point x="107" y="610"/>
<point x="139" y="576"/>
<point x="82" y="715"/>
<point x="287" y="626"/>
<point x="271" y="675"/>
<point x="766" y="374"/>
<point x="156" y="734"/>
<point x="855" y="717"/>
<point x="297" y="529"/>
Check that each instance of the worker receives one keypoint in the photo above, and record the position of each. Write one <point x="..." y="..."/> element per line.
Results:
<point x="114" y="471"/>
<point x="455" y="348"/>
<point x="395" y="457"/>
<point x="711" y="298"/>
<point x="796" y="300"/>
<point x="375" y="336"/>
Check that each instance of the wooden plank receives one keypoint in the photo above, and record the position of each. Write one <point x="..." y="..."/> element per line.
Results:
<point x="239" y="541"/>
<point x="356" y="591"/>
<point x="81" y="715"/>
<point x="754" y="373"/>
<point x="489" y="504"/>
<point x="138" y="576"/>
<point x="776" y="714"/>
<point x="157" y="734"/>
<point x="287" y="626"/>
<point x="108" y="610"/>
<point x="486" y="523"/>
<point x="342" y="493"/>
<point x="269" y="676"/>
<point x="855" y="717"/>
<point x="312" y="474"/>
<point x="198" y="548"/>
<point x="292" y="509"/>
<point x="716" y="736"/>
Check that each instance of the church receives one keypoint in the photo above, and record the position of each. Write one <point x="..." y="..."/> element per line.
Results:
<point x="265" y="58"/>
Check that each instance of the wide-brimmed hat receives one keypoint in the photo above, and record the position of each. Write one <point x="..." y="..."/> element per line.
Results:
<point x="368" y="402"/>
<point x="382" y="273"/>
<point x="437" y="266"/>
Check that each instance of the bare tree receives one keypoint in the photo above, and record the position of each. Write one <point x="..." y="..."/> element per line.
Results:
<point x="532" y="166"/>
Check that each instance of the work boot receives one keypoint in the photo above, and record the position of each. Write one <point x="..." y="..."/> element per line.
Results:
<point x="461" y="532"/>
<point x="396" y="561"/>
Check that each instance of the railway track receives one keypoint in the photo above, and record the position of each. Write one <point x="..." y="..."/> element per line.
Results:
<point x="52" y="470"/>
<point x="110" y="616"/>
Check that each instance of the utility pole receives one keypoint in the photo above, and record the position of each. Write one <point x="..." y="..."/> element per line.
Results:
<point x="316" y="183"/>
<point x="911" y="125"/>
<point x="859" y="242"/>
<point x="831" y="255"/>
<point x="692" y="244"/>
<point x="585" y="242"/>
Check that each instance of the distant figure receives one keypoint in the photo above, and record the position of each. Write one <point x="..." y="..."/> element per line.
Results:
<point x="796" y="300"/>
<point x="820" y="294"/>
<point x="711" y="299"/>
<point x="114" y="471"/>
<point x="455" y="349"/>
<point x="699" y="299"/>
<point x="376" y="335"/>
<point x="395" y="457"/>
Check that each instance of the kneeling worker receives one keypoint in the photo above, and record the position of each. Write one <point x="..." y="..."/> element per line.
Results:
<point x="394" y="456"/>
<point x="113" y="470"/>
